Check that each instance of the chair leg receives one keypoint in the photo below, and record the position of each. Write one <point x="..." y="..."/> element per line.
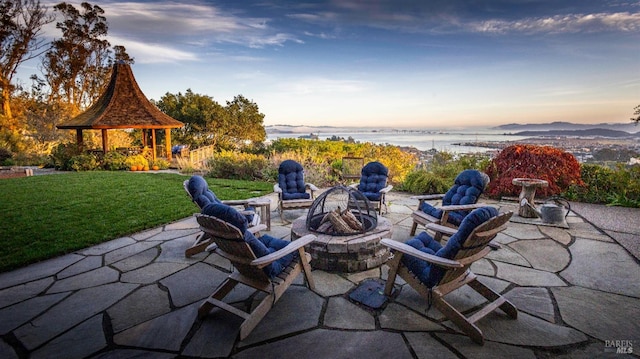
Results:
<point x="459" y="320"/>
<point x="306" y="268"/>
<point x="281" y="212"/>
<point x="393" y="264"/>
<point x="223" y="289"/>
<point x="414" y="226"/>
<point x="256" y="315"/>
<point x="492" y="296"/>
<point x="200" y="245"/>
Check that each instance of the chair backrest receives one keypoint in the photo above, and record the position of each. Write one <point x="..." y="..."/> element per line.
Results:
<point x="472" y="238"/>
<point x="231" y="245"/>
<point x="227" y="225"/>
<point x="351" y="167"/>
<point x="373" y="178"/>
<point x="198" y="189"/>
<point x="291" y="180"/>
<point x="466" y="189"/>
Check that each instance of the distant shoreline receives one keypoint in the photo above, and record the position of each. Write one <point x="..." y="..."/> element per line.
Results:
<point x="507" y="129"/>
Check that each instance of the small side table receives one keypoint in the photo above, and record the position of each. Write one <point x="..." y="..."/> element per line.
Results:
<point x="528" y="192"/>
<point x="265" y="210"/>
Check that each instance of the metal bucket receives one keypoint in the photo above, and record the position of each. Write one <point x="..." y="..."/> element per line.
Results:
<point x="555" y="210"/>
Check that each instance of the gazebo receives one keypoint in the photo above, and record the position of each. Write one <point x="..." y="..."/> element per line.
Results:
<point x="123" y="106"/>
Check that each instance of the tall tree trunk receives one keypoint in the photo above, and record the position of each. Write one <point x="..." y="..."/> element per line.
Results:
<point x="6" y="105"/>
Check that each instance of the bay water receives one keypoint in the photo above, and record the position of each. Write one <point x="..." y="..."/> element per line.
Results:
<point x="424" y="140"/>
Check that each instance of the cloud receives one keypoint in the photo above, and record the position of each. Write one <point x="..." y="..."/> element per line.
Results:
<point x="455" y="16"/>
<point x="172" y="22"/>
<point x="571" y="23"/>
<point x="146" y="53"/>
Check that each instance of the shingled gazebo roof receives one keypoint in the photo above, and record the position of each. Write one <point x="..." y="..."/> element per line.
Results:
<point x="122" y="105"/>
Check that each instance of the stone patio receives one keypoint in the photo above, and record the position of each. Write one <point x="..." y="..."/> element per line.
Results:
<point x="577" y="290"/>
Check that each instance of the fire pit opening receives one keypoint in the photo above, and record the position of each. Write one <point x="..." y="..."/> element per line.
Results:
<point x="341" y="211"/>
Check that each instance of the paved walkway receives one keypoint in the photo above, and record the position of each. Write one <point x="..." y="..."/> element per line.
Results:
<point x="577" y="290"/>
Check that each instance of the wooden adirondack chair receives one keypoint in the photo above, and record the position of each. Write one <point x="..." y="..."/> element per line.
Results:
<point x="230" y="244"/>
<point x="204" y="240"/>
<point x="447" y="269"/>
<point x="293" y="192"/>
<point x="459" y="200"/>
<point x="373" y="184"/>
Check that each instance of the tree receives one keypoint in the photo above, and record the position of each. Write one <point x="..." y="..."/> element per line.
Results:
<point x="208" y="123"/>
<point x="41" y="117"/>
<point x="199" y="113"/>
<point x="245" y="122"/>
<point x="636" y="115"/>
<point x="120" y="54"/>
<point x="77" y="66"/>
<point x="21" y="23"/>
<point x="559" y="168"/>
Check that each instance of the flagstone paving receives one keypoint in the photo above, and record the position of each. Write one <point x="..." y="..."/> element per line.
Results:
<point x="577" y="290"/>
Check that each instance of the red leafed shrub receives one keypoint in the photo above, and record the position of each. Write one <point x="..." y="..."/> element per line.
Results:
<point x="559" y="168"/>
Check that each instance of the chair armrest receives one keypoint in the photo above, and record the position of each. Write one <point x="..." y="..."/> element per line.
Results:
<point x="442" y="229"/>
<point x="427" y="197"/>
<point x="407" y="249"/>
<point x="276" y="188"/>
<point x="311" y="187"/>
<point x="236" y="202"/>
<point x="424" y="218"/>
<point x="290" y="248"/>
<point x="257" y="228"/>
<point x="258" y="202"/>
<point x="386" y="189"/>
<point x="462" y="207"/>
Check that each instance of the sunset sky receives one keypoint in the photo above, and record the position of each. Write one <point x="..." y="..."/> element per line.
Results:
<point x="386" y="63"/>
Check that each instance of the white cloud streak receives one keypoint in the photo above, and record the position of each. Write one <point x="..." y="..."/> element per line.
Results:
<point x="147" y="53"/>
<point x="572" y="23"/>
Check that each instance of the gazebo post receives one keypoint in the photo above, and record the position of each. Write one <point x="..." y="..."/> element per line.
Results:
<point x="105" y="141"/>
<point x="167" y="136"/>
<point x="153" y="143"/>
<point x="79" y="139"/>
<point x="144" y="138"/>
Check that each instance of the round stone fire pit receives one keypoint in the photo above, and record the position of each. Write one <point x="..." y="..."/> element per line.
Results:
<point x="341" y="211"/>
<point x="346" y="253"/>
<point x="348" y="231"/>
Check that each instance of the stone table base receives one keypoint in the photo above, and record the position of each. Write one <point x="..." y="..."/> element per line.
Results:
<point x="353" y="253"/>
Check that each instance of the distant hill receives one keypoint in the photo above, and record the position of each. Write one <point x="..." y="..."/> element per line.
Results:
<point x="511" y="128"/>
<point x="593" y="132"/>
<point x="628" y="126"/>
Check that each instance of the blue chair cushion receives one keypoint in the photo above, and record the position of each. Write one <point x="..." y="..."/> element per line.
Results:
<point x="199" y="190"/>
<point x="291" y="180"/>
<point x="466" y="189"/>
<point x="430" y="274"/>
<point x="227" y="214"/>
<point x="422" y="269"/>
<point x="267" y="244"/>
<point x="373" y="178"/>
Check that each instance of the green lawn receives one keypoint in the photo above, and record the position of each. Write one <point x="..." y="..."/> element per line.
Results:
<point x="46" y="216"/>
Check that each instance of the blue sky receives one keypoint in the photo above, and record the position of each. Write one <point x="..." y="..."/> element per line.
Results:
<point x="386" y="63"/>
